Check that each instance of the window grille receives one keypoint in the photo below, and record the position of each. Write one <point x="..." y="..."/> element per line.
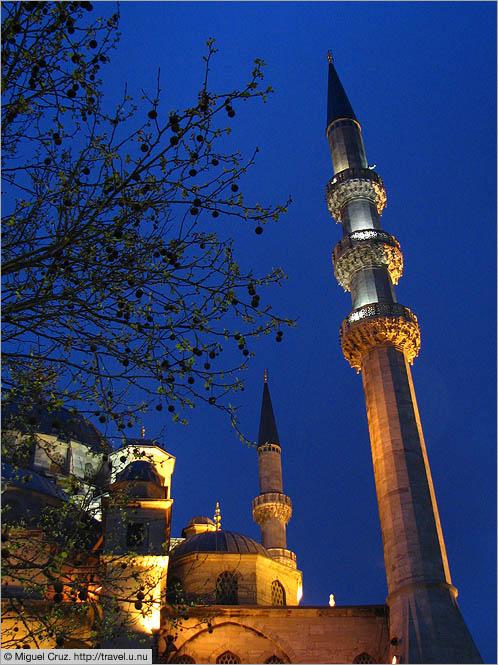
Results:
<point x="227" y="591"/>
<point x="57" y="462"/>
<point x="274" y="659"/>
<point x="277" y="593"/>
<point x="228" y="657"/>
<point x="364" y="658"/>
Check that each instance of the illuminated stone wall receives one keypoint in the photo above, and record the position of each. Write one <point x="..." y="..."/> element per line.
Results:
<point x="199" y="571"/>
<point x="289" y="634"/>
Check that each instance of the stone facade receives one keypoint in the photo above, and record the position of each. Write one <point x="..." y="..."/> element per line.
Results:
<point x="289" y="634"/>
<point x="199" y="571"/>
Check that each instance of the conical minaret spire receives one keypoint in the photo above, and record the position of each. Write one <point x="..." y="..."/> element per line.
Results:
<point x="380" y="338"/>
<point x="267" y="425"/>
<point x="272" y="509"/>
<point x="338" y="105"/>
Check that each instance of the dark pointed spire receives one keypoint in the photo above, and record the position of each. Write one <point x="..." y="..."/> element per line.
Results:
<point x="267" y="426"/>
<point x="338" y="105"/>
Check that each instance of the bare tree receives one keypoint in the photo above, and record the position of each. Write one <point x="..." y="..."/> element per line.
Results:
<point x="113" y="275"/>
<point x="118" y="295"/>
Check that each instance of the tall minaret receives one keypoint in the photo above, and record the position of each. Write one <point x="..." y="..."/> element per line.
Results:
<point x="272" y="509"/>
<point x="381" y="338"/>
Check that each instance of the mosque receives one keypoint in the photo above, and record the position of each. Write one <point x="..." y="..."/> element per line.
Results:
<point x="217" y="596"/>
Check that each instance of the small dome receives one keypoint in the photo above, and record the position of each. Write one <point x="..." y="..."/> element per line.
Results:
<point x="140" y="471"/>
<point x="200" y="519"/>
<point x="219" y="541"/>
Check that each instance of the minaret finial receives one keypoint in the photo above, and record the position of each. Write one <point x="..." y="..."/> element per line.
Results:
<point x="266" y="376"/>
<point x="143" y="431"/>
<point x="217" y="517"/>
<point x="329" y="56"/>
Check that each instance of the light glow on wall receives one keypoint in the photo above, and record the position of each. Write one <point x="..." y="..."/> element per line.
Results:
<point x="152" y="620"/>
<point x="157" y="565"/>
<point x="299" y="593"/>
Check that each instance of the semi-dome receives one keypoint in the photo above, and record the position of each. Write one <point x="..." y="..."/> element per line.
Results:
<point x="62" y="423"/>
<point x="219" y="541"/>
<point x="139" y="471"/>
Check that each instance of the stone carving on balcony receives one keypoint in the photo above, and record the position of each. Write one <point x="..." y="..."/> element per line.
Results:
<point x="376" y="324"/>
<point x="271" y="505"/>
<point x="351" y="184"/>
<point x="367" y="255"/>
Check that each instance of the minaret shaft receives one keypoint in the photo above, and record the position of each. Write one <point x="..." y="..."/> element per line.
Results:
<point x="346" y="145"/>
<point x="272" y="509"/>
<point x="372" y="284"/>
<point x="414" y="550"/>
<point x="359" y="214"/>
<point x="270" y="471"/>
<point x="380" y="337"/>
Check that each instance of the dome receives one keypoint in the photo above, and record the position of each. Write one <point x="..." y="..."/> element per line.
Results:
<point x="141" y="471"/>
<point x="219" y="541"/>
<point x="61" y="423"/>
<point x="200" y="519"/>
<point x="30" y="480"/>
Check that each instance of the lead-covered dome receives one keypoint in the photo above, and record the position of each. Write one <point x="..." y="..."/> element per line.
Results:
<point x="141" y="480"/>
<point x="200" y="519"/>
<point x="27" y="479"/>
<point x="62" y="423"/>
<point x="219" y="541"/>
<point x="139" y="471"/>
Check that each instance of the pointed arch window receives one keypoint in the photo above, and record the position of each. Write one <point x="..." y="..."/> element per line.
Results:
<point x="364" y="658"/>
<point x="227" y="591"/>
<point x="274" y="659"/>
<point x="277" y="593"/>
<point x="228" y="657"/>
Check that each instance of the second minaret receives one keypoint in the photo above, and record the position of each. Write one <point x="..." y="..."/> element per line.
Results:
<point x="272" y="509"/>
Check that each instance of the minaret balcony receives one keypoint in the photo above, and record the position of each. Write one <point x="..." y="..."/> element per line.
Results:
<point x="352" y="184"/>
<point x="271" y="505"/>
<point x="367" y="248"/>
<point x="378" y="324"/>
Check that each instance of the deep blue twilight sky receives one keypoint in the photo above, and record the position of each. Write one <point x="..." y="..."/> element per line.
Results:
<point x="421" y="78"/>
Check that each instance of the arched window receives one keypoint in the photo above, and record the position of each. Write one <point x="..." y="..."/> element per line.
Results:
<point x="364" y="658"/>
<point x="277" y="593"/>
<point x="228" y="657"/>
<point x="89" y="471"/>
<point x="274" y="659"/>
<point x="58" y="461"/>
<point x="227" y="592"/>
